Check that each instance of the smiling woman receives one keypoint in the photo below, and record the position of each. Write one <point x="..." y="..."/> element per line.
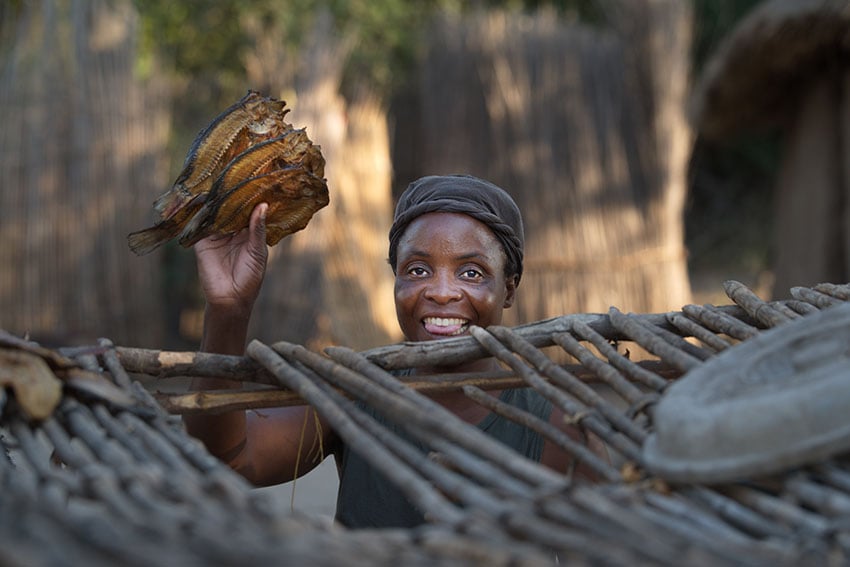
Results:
<point x="456" y="249"/>
<point x="450" y="274"/>
<point x="456" y="260"/>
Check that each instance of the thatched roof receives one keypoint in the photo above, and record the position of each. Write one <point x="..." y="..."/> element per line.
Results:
<point x="757" y="75"/>
<point x="108" y="479"/>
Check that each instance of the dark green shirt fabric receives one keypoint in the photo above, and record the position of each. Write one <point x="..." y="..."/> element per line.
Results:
<point x="367" y="499"/>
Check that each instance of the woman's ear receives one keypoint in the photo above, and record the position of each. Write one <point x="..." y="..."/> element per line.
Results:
<point x="511" y="283"/>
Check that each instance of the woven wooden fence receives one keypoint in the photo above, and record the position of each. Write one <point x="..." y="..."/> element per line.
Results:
<point x="80" y="162"/>
<point x="586" y="129"/>
<point x="568" y="119"/>
<point x="108" y="476"/>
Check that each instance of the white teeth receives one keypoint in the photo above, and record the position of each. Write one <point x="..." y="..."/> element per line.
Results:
<point x="452" y="325"/>
<point x="444" y="321"/>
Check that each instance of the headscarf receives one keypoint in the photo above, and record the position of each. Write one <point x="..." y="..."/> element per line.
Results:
<point x="481" y="200"/>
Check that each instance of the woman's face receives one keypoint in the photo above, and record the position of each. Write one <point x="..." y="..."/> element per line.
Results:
<point x="450" y="274"/>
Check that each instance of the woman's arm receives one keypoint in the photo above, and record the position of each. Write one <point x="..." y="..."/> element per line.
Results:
<point x="560" y="460"/>
<point x="263" y="445"/>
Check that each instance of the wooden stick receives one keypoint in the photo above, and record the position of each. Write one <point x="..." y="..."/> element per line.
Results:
<point x="222" y="401"/>
<point x="457" y="486"/>
<point x="463" y="349"/>
<point x="164" y="364"/>
<point x="547" y="430"/>
<point x="780" y="510"/>
<point x="589" y="419"/>
<point x="414" y="486"/>
<point x="412" y="411"/>
<point x="818" y="497"/>
<point x="110" y="360"/>
<point x="607" y="373"/>
<point x="816" y="298"/>
<point x="800" y="307"/>
<point x="633" y="370"/>
<point x="159" y="364"/>
<point x="840" y="291"/>
<point x="720" y="322"/>
<point x="613" y="517"/>
<point x="651" y="341"/>
<point x="169" y="364"/>
<point x="564" y="380"/>
<point x="784" y="309"/>
<point x="760" y="310"/>
<point x="737" y="514"/>
<point x="680" y="343"/>
<point x="694" y="329"/>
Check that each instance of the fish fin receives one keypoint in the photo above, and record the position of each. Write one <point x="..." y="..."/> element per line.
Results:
<point x="167" y="204"/>
<point x="146" y="241"/>
<point x="192" y="232"/>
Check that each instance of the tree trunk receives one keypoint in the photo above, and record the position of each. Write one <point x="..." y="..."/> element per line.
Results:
<point x="809" y="229"/>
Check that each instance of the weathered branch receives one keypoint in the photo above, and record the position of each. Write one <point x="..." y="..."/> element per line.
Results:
<point x="164" y="364"/>
<point x="463" y="349"/>
<point x="221" y="401"/>
<point x="168" y="364"/>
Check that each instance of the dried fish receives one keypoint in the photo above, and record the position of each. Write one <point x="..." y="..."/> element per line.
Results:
<point x="253" y="119"/>
<point x="145" y="241"/>
<point x="240" y="156"/>
<point x="278" y="153"/>
<point x="293" y="194"/>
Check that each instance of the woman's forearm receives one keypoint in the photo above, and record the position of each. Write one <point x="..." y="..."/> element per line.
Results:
<point x="225" y="332"/>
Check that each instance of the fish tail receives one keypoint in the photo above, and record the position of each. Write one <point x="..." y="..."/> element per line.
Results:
<point x="146" y="241"/>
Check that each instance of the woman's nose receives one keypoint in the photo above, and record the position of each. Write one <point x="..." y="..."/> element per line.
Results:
<point x="443" y="288"/>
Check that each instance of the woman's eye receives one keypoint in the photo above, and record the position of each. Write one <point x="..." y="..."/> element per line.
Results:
<point x="471" y="273"/>
<point x="416" y="271"/>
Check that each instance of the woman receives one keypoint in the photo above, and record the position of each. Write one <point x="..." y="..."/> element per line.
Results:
<point x="456" y="249"/>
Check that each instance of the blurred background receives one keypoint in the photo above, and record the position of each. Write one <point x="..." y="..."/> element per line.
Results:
<point x="656" y="147"/>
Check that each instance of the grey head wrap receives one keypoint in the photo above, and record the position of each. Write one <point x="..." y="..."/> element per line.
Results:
<point x="481" y="200"/>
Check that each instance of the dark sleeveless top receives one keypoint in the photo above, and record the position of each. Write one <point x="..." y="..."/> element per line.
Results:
<point x="367" y="499"/>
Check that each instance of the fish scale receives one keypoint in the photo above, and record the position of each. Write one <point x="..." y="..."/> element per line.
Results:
<point x="264" y="154"/>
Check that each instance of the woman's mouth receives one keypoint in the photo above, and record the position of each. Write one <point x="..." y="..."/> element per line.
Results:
<point x="445" y="326"/>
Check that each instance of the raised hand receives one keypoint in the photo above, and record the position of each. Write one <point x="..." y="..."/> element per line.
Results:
<point x="231" y="268"/>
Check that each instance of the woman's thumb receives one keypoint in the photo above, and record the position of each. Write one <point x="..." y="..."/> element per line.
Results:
<point x="258" y="227"/>
<point x="258" y="220"/>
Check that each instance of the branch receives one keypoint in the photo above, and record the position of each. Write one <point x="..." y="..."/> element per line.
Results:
<point x="221" y="401"/>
